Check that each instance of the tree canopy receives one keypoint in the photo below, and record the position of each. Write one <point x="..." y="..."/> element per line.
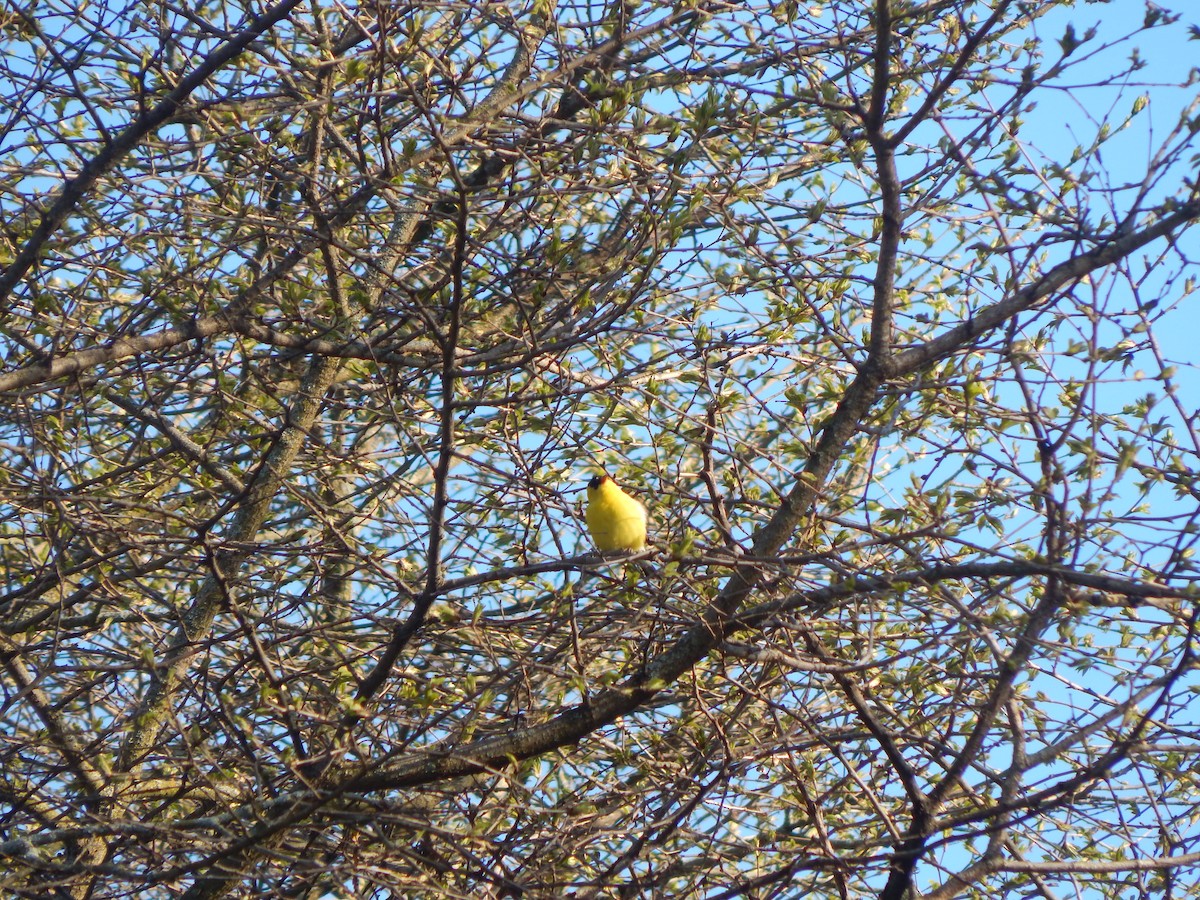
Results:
<point x="318" y="318"/>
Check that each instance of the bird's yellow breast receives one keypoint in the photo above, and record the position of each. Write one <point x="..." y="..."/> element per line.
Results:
<point x="615" y="520"/>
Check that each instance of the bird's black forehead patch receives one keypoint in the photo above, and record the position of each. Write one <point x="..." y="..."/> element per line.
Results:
<point x="596" y="481"/>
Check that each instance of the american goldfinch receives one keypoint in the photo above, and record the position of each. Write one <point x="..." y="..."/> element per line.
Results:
<point x="617" y="521"/>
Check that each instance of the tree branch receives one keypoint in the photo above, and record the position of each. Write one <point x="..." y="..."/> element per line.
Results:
<point x="75" y="189"/>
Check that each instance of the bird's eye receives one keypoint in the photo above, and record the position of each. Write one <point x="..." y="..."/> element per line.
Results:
<point x="595" y="482"/>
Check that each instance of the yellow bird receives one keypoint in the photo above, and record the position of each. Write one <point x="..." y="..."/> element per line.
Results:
<point x="617" y="521"/>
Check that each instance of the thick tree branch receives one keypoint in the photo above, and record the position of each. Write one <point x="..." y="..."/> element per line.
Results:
<point x="1113" y="250"/>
